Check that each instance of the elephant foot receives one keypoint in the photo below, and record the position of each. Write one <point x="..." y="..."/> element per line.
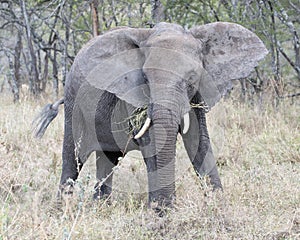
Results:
<point x="216" y="184"/>
<point x="102" y="192"/>
<point x="161" y="206"/>
<point x="152" y="199"/>
<point x="158" y="209"/>
<point x="154" y="222"/>
<point x="65" y="191"/>
<point x="215" y="180"/>
<point x="161" y="211"/>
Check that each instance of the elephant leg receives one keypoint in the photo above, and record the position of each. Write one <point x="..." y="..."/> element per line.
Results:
<point x="147" y="147"/>
<point x="199" y="150"/>
<point x="105" y="161"/>
<point x="152" y="179"/>
<point x="72" y="164"/>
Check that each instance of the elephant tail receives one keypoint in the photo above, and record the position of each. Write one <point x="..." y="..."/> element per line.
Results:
<point x="48" y="113"/>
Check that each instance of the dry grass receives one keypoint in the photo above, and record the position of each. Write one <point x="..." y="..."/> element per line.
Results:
<point x="259" y="157"/>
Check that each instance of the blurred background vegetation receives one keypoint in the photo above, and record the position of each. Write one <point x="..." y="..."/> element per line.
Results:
<point x="40" y="38"/>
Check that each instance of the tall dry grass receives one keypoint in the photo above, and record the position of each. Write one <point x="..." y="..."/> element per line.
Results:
<point x="258" y="153"/>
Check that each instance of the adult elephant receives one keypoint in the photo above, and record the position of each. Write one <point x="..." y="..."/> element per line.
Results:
<point x="162" y="71"/>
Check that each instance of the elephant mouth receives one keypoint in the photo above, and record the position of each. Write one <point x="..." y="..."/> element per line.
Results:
<point x="139" y="121"/>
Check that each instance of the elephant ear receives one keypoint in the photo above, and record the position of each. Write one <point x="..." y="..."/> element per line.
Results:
<point x="113" y="62"/>
<point x="230" y="52"/>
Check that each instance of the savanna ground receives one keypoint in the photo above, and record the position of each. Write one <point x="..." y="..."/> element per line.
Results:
<point x="258" y="153"/>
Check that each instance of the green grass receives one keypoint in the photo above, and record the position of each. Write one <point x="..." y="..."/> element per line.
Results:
<point x="258" y="153"/>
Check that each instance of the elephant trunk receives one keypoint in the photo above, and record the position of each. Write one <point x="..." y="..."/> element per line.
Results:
<point x="165" y="127"/>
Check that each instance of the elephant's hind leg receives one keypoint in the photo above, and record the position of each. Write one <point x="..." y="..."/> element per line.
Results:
<point x="105" y="161"/>
<point x="71" y="164"/>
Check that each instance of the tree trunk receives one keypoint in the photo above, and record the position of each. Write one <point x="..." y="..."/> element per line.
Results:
<point x="284" y="18"/>
<point x="17" y="57"/>
<point x="274" y="49"/>
<point x="46" y="70"/>
<point x="67" y="23"/>
<point x="55" y="72"/>
<point x="33" y="74"/>
<point x="95" y="17"/>
<point x="12" y="80"/>
<point x="157" y="11"/>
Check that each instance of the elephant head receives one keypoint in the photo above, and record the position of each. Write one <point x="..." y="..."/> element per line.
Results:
<point x="162" y="68"/>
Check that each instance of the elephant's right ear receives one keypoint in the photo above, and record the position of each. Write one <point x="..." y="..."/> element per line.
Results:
<point x="230" y="52"/>
<point x="113" y="62"/>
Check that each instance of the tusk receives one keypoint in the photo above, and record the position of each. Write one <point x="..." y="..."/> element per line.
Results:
<point x="186" y="123"/>
<point x="57" y="103"/>
<point x="143" y="129"/>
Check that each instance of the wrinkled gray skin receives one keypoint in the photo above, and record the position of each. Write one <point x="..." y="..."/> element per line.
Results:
<point x="164" y="68"/>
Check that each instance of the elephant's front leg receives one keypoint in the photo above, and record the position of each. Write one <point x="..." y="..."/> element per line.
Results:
<point x="152" y="179"/>
<point x="198" y="146"/>
<point x="105" y="161"/>
<point x="147" y="148"/>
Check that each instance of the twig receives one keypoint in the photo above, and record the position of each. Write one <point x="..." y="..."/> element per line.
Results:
<point x="291" y="95"/>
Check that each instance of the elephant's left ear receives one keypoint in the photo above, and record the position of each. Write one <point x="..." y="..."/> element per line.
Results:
<point x="113" y="62"/>
<point x="230" y="52"/>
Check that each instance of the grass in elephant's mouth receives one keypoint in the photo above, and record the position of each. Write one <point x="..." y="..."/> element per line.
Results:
<point x="137" y="119"/>
<point x="139" y="116"/>
<point x="259" y="167"/>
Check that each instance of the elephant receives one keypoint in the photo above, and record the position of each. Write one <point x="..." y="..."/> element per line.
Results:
<point x="161" y="73"/>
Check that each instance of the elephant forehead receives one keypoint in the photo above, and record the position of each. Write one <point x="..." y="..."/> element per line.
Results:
<point x="183" y="42"/>
<point x="173" y="61"/>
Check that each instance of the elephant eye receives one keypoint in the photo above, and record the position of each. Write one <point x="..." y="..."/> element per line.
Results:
<point x="145" y="78"/>
<point x="192" y="79"/>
